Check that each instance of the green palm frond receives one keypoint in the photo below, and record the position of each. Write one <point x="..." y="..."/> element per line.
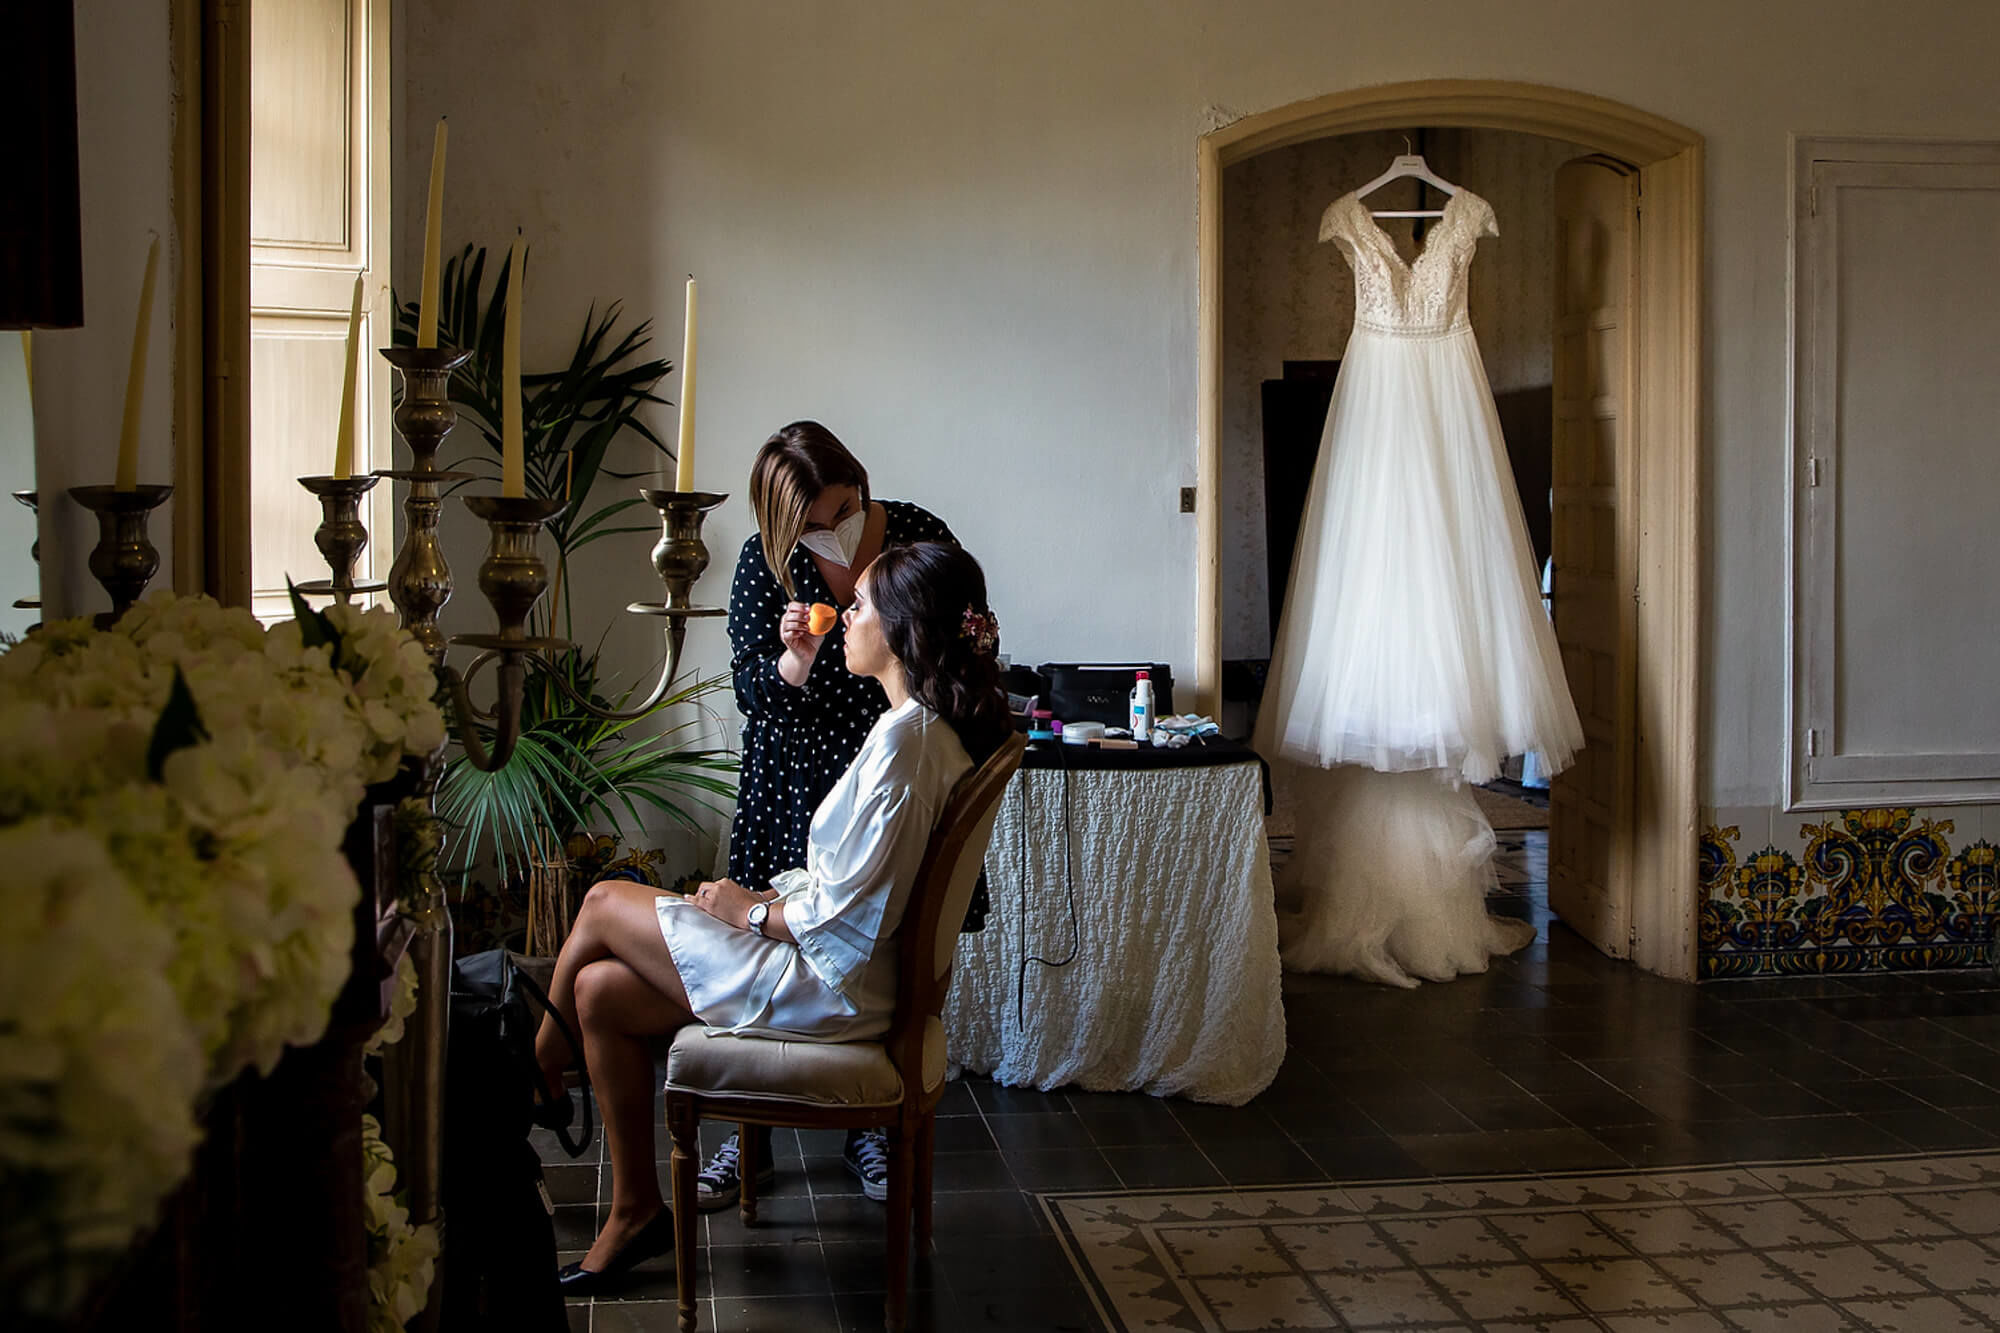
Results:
<point x="572" y="769"/>
<point x="569" y="417"/>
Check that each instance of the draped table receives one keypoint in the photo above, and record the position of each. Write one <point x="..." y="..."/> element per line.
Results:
<point x="1146" y="875"/>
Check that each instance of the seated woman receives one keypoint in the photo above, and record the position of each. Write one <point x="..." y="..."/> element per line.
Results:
<point x="806" y="958"/>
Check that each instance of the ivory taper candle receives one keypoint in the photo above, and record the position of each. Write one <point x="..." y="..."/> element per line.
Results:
<point x="343" y="439"/>
<point x="427" y="298"/>
<point x="684" y="464"/>
<point x="135" y="382"/>
<point x="511" y="482"/>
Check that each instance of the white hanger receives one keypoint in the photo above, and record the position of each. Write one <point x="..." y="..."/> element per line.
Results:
<point x="1408" y="164"/>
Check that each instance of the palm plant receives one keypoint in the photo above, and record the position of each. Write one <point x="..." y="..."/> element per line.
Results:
<point x="570" y="767"/>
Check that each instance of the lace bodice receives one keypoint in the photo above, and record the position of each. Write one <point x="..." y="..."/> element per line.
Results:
<point x="1424" y="298"/>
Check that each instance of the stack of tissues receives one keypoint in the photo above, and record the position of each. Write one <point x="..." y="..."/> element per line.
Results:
<point x="1175" y="731"/>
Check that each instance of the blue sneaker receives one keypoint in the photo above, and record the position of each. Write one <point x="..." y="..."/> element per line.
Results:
<point x="867" y="1156"/>
<point x="718" y="1186"/>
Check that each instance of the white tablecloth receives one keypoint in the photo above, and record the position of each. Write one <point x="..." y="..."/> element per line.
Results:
<point x="1174" y="989"/>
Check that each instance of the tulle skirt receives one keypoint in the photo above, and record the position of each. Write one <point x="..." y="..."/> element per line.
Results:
<point x="1392" y="871"/>
<point x="1413" y="635"/>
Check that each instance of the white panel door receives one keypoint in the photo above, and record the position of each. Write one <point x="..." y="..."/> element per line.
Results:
<point x="1595" y="554"/>
<point x="319" y="212"/>
<point x="1897" y="483"/>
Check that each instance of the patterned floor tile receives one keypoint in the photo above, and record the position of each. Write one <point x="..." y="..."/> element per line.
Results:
<point x="1921" y="1314"/>
<point x="1984" y="1303"/>
<point x="1447" y="1240"/>
<point x="1272" y="1302"/>
<point x="1738" y="1278"/>
<point x="1605" y="1286"/>
<point x="1948" y="1265"/>
<point x="1815" y="1318"/>
<point x="1845" y="1272"/>
<point x="1675" y="1250"/>
<point x="1336" y="1247"/>
<point x="1224" y="1252"/>
<point x="1560" y="1236"/>
<point x="1675" y="1321"/>
<point x="1775" y="1222"/>
<point x="1877" y="1217"/>
<point x="1665" y="1230"/>
<point x="1974" y="1212"/>
<point x="1507" y="1291"/>
<point x="1385" y="1299"/>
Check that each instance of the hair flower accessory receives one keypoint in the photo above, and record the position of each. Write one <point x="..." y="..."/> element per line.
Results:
<point x="981" y="628"/>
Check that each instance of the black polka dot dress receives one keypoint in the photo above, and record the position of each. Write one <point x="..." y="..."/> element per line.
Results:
<point x="797" y="740"/>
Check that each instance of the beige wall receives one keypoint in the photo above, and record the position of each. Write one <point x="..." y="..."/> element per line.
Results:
<point x="965" y="238"/>
<point x="1289" y="296"/>
<point x="124" y="128"/>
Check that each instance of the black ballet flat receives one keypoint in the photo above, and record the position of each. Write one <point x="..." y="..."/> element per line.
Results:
<point x="649" y="1242"/>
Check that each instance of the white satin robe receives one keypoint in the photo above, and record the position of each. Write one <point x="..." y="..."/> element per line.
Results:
<point x="866" y="844"/>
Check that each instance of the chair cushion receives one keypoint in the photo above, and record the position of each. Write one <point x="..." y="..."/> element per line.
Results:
<point x="819" y="1073"/>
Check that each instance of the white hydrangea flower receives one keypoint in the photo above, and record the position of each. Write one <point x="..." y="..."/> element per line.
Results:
<point x="99" y="1068"/>
<point x="177" y="930"/>
<point x="401" y="1258"/>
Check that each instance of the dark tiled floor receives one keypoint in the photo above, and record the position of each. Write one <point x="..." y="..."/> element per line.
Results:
<point x="1555" y="1060"/>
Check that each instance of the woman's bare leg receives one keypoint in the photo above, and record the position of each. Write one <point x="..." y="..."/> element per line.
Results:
<point x="620" y="1012"/>
<point x="618" y="920"/>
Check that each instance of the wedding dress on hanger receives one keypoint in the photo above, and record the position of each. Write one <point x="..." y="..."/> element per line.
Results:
<point x="1413" y="654"/>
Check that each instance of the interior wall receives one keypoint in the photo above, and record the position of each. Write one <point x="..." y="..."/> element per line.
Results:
<point x="124" y="91"/>
<point x="19" y="577"/>
<point x="1289" y="296"/>
<point x="965" y="238"/>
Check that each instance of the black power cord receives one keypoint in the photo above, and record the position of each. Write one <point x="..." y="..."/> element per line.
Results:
<point x="1069" y="887"/>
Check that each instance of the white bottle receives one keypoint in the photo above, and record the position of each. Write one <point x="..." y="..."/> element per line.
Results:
<point x="1142" y="707"/>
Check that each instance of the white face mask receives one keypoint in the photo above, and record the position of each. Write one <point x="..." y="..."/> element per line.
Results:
<point x="841" y="542"/>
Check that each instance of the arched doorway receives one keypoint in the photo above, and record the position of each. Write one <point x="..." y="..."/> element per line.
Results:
<point x="1659" y="831"/>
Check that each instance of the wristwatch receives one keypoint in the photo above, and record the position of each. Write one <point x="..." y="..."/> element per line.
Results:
<point x="758" y="911"/>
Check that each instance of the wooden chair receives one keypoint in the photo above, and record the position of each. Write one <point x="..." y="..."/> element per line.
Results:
<point x="895" y="1081"/>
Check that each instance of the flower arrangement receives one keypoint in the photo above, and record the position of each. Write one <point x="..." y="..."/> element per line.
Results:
<point x="173" y="795"/>
<point x="401" y="1257"/>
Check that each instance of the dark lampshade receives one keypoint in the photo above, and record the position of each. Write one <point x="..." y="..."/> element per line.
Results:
<point x="41" y="237"/>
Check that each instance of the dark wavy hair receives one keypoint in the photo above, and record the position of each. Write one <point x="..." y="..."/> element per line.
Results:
<point x="922" y="593"/>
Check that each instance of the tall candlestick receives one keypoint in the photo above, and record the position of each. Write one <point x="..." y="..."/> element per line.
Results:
<point x="427" y="298"/>
<point x="684" y="466"/>
<point x="343" y="439"/>
<point x="135" y="382"/>
<point x="510" y="382"/>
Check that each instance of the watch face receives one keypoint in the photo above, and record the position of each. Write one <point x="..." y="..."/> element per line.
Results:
<point x="758" y="911"/>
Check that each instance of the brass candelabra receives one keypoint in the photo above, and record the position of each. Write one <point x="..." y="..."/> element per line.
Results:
<point x="124" y="559"/>
<point x="513" y="577"/>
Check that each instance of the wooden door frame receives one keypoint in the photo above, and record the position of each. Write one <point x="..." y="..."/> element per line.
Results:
<point x="211" y="172"/>
<point x="1667" y="434"/>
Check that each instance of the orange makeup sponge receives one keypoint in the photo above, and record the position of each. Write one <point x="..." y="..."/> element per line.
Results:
<point x="820" y="618"/>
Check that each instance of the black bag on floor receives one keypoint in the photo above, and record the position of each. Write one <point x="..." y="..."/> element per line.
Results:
<point x="500" y="1246"/>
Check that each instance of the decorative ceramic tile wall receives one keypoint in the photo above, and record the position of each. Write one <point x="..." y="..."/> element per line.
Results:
<point x="1868" y="890"/>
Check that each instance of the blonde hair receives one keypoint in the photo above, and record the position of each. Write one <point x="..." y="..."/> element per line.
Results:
<point x="795" y="465"/>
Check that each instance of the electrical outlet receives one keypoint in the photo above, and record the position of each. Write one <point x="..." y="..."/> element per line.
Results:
<point x="1187" y="499"/>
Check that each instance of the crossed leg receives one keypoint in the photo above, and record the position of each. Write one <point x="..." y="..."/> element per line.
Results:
<point x="616" y="984"/>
